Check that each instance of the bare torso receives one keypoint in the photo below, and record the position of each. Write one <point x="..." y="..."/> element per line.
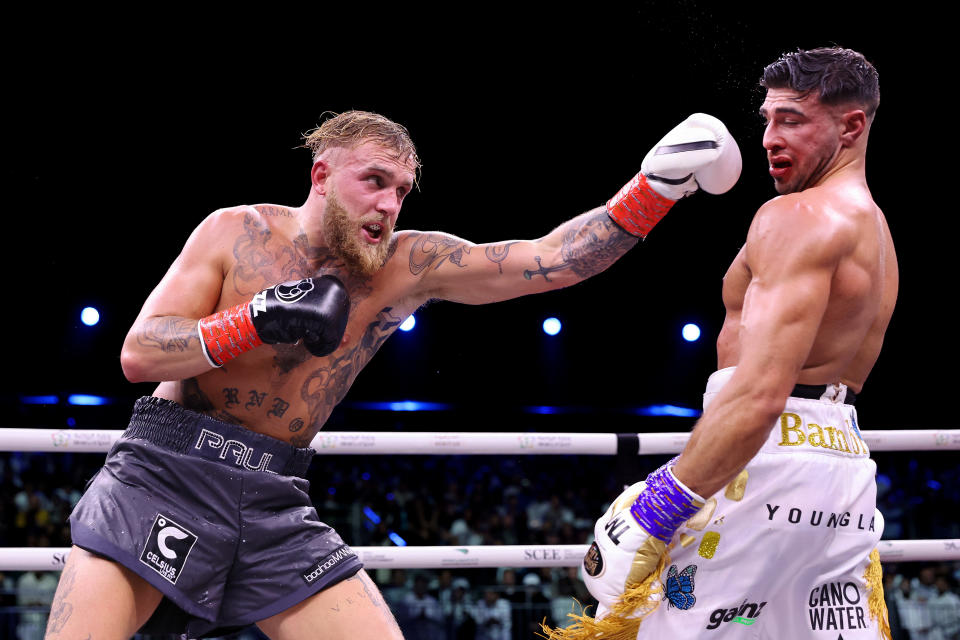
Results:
<point x="863" y="290"/>
<point x="281" y="390"/>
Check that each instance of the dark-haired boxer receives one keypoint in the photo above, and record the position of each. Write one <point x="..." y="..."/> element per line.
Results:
<point x="766" y="525"/>
<point x="202" y="503"/>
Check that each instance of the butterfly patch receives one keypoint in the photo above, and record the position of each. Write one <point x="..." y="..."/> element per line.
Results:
<point x="679" y="590"/>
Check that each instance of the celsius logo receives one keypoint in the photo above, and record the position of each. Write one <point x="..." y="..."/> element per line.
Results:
<point x="290" y="292"/>
<point x="167" y="548"/>
<point x="746" y="614"/>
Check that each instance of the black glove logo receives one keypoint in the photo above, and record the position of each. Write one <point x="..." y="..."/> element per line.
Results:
<point x="290" y="292"/>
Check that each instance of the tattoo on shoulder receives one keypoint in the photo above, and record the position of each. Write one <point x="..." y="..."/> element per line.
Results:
<point x="271" y="210"/>
<point x="432" y="250"/>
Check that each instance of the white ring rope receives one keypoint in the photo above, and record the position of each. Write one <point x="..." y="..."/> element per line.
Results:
<point x="497" y="443"/>
<point x="518" y="555"/>
<point x="489" y="443"/>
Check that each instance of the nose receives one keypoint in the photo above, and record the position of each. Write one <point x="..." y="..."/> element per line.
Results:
<point x="772" y="141"/>
<point x="389" y="204"/>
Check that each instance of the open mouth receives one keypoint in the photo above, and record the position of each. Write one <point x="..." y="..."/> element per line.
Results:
<point x="373" y="231"/>
<point x="779" y="167"/>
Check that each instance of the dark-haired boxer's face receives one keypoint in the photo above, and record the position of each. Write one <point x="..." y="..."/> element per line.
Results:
<point x="802" y="139"/>
<point x="364" y="195"/>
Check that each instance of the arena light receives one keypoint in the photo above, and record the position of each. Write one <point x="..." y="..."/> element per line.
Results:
<point x="397" y="540"/>
<point x="86" y="400"/>
<point x="371" y="515"/>
<point x="89" y="316"/>
<point x="552" y="326"/>
<point x="668" y="410"/>
<point x="402" y="405"/>
<point x="690" y="332"/>
<point x="39" y="400"/>
<point x="408" y="324"/>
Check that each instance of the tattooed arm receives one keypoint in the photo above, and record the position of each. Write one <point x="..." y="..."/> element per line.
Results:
<point x="163" y="343"/>
<point x="457" y="270"/>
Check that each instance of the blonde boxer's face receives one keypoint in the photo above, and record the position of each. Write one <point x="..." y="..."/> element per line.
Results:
<point x="364" y="194"/>
<point x="802" y="139"/>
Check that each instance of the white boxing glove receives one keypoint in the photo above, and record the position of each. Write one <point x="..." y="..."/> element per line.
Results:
<point x="697" y="153"/>
<point x="631" y="537"/>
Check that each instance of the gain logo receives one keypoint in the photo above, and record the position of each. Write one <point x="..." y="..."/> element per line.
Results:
<point x="746" y="614"/>
<point x="290" y="292"/>
<point x="167" y="548"/>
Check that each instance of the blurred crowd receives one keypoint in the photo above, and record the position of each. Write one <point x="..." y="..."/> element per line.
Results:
<point x="482" y="500"/>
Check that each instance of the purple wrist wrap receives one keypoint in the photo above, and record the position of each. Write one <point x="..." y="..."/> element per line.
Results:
<point x="663" y="506"/>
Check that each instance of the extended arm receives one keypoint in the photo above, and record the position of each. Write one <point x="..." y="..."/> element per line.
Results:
<point x="697" y="153"/>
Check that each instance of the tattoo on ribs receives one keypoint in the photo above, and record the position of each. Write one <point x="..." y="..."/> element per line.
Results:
<point x="325" y="387"/>
<point x="168" y="333"/>
<point x="432" y="249"/>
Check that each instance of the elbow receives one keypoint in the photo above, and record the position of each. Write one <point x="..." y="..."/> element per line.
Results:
<point x="133" y="365"/>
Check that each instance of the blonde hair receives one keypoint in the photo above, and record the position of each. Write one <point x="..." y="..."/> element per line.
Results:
<point x="353" y="128"/>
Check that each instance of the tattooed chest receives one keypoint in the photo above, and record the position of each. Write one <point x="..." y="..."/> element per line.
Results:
<point x="296" y="407"/>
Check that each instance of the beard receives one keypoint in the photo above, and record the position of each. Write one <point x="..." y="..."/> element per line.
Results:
<point x="343" y="237"/>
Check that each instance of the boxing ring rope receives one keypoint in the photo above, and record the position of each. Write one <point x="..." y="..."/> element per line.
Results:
<point x="465" y="443"/>
<point x="468" y="443"/>
<point x="476" y="557"/>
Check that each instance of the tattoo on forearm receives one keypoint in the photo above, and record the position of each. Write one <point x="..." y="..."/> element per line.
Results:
<point x="542" y="270"/>
<point x="497" y="253"/>
<point x="432" y="249"/>
<point x="168" y="333"/>
<point x="592" y="242"/>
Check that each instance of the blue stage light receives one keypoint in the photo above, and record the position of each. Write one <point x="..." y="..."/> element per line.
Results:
<point x="691" y="332"/>
<point x="408" y="324"/>
<point x="89" y="316"/>
<point x="86" y="400"/>
<point x="552" y="326"/>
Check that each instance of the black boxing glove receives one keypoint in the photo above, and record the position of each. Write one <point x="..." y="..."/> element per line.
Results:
<point x="315" y="310"/>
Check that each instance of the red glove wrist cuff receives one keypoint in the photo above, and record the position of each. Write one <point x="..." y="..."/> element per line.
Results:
<point x="637" y="208"/>
<point x="228" y="333"/>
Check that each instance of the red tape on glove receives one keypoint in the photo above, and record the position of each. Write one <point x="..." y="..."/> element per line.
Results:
<point x="228" y="333"/>
<point x="637" y="208"/>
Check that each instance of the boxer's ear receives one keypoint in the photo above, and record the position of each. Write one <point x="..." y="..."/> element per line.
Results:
<point x="853" y="124"/>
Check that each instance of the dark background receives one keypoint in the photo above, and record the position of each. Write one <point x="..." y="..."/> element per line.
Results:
<point x="124" y="130"/>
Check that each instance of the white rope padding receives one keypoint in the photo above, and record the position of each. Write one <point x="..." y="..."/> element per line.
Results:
<point x="489" y="443"/>
<point x="518" y="555"/>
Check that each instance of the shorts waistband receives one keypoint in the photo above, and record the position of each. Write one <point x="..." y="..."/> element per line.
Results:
<point x="175" y="428"/>
<point x="837" y="392"/>
<point x="818" y="391"/>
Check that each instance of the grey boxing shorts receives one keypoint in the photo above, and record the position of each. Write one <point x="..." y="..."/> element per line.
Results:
<point x="215" y="516"/>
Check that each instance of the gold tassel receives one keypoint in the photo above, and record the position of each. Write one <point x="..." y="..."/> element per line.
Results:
<point x="623" y="621"/>
<point x="873" y="576"/>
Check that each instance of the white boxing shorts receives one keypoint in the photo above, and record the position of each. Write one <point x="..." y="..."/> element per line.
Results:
<point x="786" y="551"/>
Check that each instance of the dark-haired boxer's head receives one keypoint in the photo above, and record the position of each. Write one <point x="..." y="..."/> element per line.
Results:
<point x="819" y="105"/>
